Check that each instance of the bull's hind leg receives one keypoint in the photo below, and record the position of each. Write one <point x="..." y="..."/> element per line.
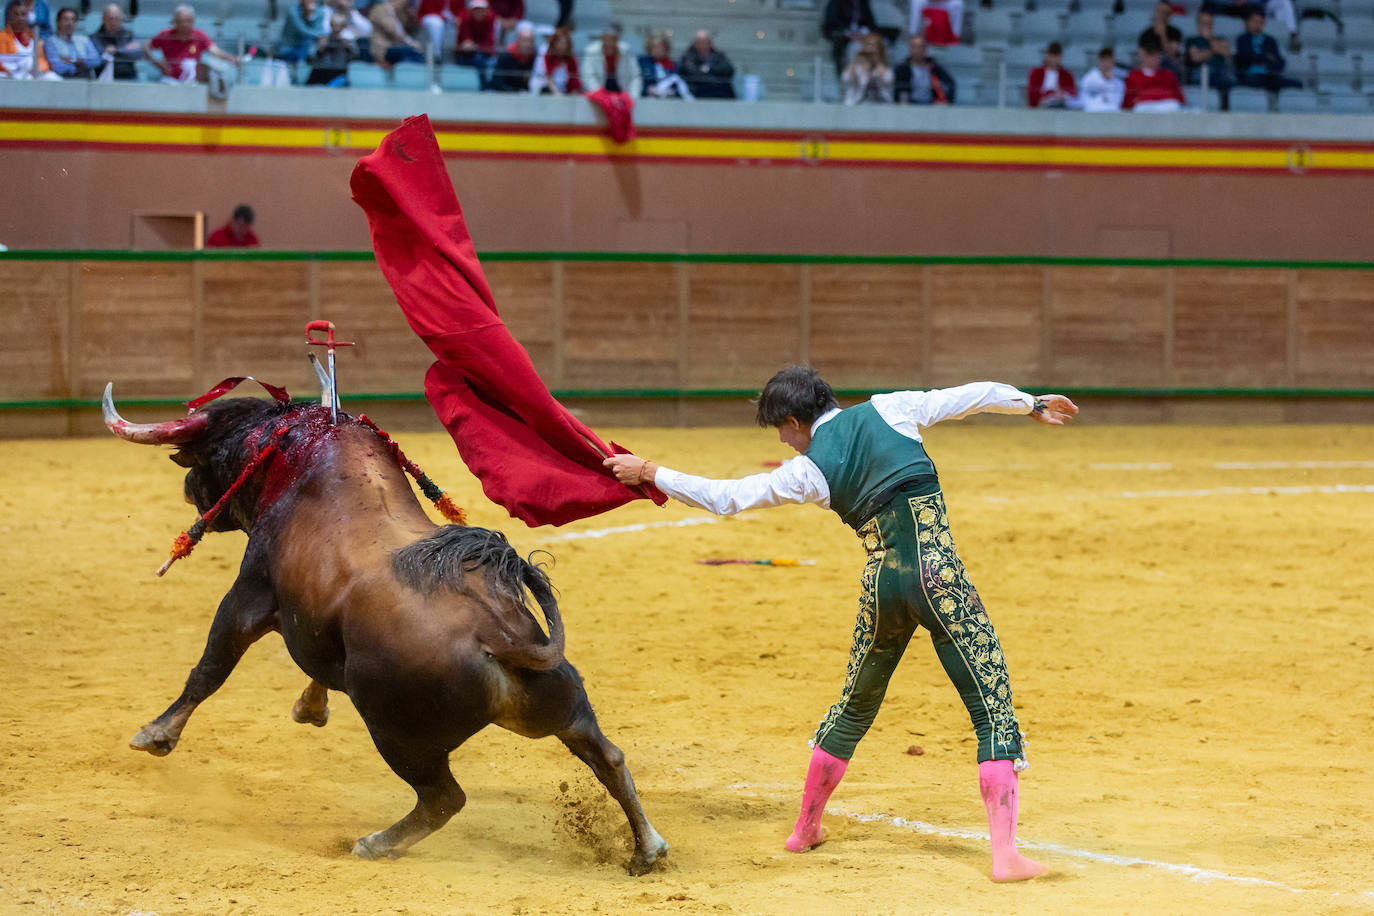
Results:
<point x="438" y="798"/>
<point x="584" y="738"/>
<point x="245" y="615"/>
<point x="313" y="706"/>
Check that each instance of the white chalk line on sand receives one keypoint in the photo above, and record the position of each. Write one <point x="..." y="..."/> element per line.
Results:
<point x="1170" y="466"/>
<point x="1277" y="490"/>
<point x="1195" y="872"/>
<point x="594" y="533"/>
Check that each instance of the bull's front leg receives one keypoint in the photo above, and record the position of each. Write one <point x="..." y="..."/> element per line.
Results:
<point x="245" y="614"/>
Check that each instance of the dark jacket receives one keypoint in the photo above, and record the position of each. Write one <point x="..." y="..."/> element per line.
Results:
<point x="126" y="50"/>
<point x="511" y="73"/>
<point x="708" y="77"/>
<point x="901" y="83"/>
<point x="1257" y="54"/>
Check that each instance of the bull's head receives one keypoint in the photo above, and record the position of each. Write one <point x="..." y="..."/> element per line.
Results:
<point x="210" y="445"/>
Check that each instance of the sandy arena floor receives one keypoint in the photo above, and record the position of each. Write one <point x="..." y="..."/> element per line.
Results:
<point x="1185" y="610"/>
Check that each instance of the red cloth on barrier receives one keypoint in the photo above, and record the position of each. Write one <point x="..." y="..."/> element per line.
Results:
<point x="533" y="457"/>
<point x="619" y="110"/>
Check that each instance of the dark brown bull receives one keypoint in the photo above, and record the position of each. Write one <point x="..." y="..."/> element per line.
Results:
<point x="426" y="628"/>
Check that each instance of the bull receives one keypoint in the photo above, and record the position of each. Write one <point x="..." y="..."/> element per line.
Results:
<point x="426" y="628"/>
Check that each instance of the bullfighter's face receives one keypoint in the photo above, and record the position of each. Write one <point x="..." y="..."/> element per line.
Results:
<point x="795" y="433"/>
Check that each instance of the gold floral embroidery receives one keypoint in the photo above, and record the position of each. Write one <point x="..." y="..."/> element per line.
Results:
<point x="865" y="626"/>
<point x="960" y="610"/>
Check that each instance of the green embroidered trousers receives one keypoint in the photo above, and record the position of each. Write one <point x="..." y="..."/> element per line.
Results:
<point x="914" y="577"/>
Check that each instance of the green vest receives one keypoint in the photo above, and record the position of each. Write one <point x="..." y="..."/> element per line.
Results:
<point x="866" y="462"/>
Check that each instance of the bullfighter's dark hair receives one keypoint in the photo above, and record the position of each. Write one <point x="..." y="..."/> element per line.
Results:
<point x="796" y="391"/>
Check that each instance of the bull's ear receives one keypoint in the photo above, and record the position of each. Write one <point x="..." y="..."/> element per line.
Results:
<point x="184" y="458"/>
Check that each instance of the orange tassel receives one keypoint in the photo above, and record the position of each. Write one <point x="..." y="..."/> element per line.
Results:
<point x="450" y="511"/>
<point x="181" y="547"/>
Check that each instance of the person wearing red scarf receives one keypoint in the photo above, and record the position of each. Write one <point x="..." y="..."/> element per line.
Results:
<point x="515" y="64"/>
<point x="555" y="71"/>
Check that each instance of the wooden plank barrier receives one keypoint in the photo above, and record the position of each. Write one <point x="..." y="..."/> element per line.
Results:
<point x="165" y="329"/>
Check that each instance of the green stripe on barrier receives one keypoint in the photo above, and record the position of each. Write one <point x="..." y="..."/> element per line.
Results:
<point x="686" y="258"/>
<point x="724" y="393"/>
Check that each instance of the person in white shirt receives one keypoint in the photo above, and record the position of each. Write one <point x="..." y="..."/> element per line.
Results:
<point x="869" y="465"/>
<point x="1102" y="89"/>
<point x="607" y="62"/>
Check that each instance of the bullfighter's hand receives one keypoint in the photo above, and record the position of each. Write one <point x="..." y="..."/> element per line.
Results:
<point x="1057" y="411"/>
<point x="631" y="470"/>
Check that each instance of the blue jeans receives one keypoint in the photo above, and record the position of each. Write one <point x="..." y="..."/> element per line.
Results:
<point x="403" y="54"/>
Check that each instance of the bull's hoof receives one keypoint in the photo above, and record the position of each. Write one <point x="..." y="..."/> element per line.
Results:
<point x="310" y="715"/>
<point x="154" y="740"/>
<point x="645" y="861"/>
<point x="370" y="847"/>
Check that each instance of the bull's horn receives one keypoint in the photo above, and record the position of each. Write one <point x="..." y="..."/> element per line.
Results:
<point x="169" y="433"/>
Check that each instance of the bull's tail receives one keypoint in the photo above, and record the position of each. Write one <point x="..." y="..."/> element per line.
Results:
<point x="443" y="559"/>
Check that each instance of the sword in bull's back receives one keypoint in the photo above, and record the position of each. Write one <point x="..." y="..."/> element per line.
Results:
<point x="328" y="380"/>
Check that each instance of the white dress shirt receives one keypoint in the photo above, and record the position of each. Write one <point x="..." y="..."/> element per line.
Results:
<point x="800" y="481"/>
<point x="1099" y="93"/>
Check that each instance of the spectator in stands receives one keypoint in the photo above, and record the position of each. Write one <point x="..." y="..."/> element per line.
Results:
<point x="476" y="45"/>
<point x="358" y="30"/>
<point x="920" y="80"/>
<point x="1150" y="87"/>
<point x="333" y="54"/>
<point x="307" y="24"/>
<point x="117" y="43"/>
<point x="868" y="79"/>
<point x="1258" y="61"/>
<point x="516" y="63"/>
<point x="658" y="73"/>
<point x="395" y="32"/>
<point x="846" y="22"/>
<point x="607" y="62"/>
<point x="1102" y="89"/>
<point x="1050" y="85"/>
<point x="21" y="54"/>
<point x="509" y="14"/>
<point x="237" y="233"/>
<point x="940" y="21"/>
<point x="555" y="71"/>
<point x="182" y="49"/>
<point x="69" y="54"/>
<point x="435" y="16"/>
<point x="1170" y="38"/>
<point x="1205" y="51"/>
<point x="1281" y="10"/>
<point x="708" y="72"/>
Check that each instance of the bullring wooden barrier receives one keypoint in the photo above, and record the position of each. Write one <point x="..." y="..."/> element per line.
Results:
<point x="168" y="326"/>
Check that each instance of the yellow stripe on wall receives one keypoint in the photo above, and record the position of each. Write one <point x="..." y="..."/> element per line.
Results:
<point x="1120" y="155"/>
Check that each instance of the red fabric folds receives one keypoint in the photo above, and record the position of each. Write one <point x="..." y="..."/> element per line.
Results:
<point x="533" y="458"/>
<point x="619" y="110"/>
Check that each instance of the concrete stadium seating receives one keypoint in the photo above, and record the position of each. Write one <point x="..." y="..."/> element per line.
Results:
<point x="778" y="42"/>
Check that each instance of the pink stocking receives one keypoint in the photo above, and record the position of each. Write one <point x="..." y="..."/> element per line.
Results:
<point x="822" y="777"/>
<point x="998" y="783"/>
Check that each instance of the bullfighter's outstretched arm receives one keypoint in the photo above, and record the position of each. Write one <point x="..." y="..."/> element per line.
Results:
<point x="801" y="481"/>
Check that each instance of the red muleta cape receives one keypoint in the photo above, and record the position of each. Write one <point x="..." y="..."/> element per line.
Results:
<point x="533" y="458"/>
